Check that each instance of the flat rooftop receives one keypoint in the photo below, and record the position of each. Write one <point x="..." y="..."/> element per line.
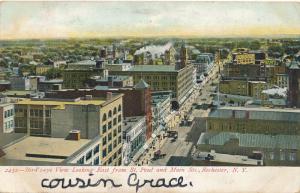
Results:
<point x="131" y="121"/>
<point x="60" y="104"/>
<point x="48" y="147"/>
<point x="227" y="158"/>
<point x="84" y="62"/>
<point x="10" y="138"/>
<point x="153" y="68"/>
<point x="261" y="109"/>
<point x="251" y="140"/>
<point x="17" y="92"/>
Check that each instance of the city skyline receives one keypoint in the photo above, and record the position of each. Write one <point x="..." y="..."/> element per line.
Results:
<point x="147" y="19"/>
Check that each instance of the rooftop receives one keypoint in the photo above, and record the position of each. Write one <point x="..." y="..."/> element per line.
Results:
<point x="52" y="149"/>
<point x="257" y="113"/>
<point x="17" y="92"/>
<point x="52" y="81"/>
<point x="84" y="62"/>
<point x="226" y="158"/>
<point x="129" y="122"/>
<point x="8" y="138"/>
<point x="141" y="85"/>
<point x="252" y="140"/>
<point x="153" y="68"/>
<point x="60" y="103"/>
<point x="264" y="109"/>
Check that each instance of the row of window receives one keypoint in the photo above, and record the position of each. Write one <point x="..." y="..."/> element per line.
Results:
<point x="109" y="137"/>
<point x="8" y="113"/>
<point x="110" y="113"/>
<point x="114" y="157"/>
<point x="9" y="124"/>
<point x="110" y="124"/>
<point x="89" y="155"/>
<point x="283" y="156"/>
<point x="110" y="147"/>
<point x="34" y="112"/>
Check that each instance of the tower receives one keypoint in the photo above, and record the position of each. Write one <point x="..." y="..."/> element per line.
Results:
<point x="183" y="56"/>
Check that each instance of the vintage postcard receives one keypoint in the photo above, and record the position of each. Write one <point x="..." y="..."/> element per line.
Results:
<point x="149" y="96"/>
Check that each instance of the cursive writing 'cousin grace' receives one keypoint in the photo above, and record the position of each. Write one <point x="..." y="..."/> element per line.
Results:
<point x="132" y="181"/>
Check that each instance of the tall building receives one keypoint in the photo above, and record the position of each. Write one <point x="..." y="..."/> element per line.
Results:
<point x="294" y="84"/>
<point x="164" y="78"/>
<point x="136" y="100"/>
<point x="247" y="64"/>
<point x="183" y="56"/>
<point x="80" y="118"/>
<point x="78" y="78"/>
<point x="254" y="120"/>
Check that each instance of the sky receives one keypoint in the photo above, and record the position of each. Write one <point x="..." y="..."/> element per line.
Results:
<point x="30" y="20"/>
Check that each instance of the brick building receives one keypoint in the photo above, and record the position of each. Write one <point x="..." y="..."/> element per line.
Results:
<point x="136" y="100"/>
<point x="293" y="85"/>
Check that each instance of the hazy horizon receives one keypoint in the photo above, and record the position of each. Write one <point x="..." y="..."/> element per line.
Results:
<point x="87" y="20"/>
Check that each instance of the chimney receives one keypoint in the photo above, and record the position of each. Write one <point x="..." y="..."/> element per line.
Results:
<point x="108" y="96"/>
<point x="74" y="135"/>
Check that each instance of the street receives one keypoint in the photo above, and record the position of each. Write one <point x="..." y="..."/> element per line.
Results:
<point x="178" y="151"/>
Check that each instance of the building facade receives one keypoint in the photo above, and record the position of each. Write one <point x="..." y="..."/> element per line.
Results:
<point x="164" y="78"/>
<point x="254" y="120"/>
<point x="161" y="109"/>
<point x="7" y="115"/>
<point x="269" y="150"/>
<point x="134" y="136"/>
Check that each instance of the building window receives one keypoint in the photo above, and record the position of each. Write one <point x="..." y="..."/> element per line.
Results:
<point x="115" y="121"/>
<point x="104" y="141"/>
<point x="89" y="155"/>
<point x="115" y="132"/>
<point x="96" y="149"/>
<point x="109" y="148"/>
<point x="104" y="117"/>
<point x="292" y="156"/>
<point x="115" y="155"/>
<point x="119" y="129"/>
<point x="119" y="118"/>
<point x="282" y="156"/>
<point x="104" y="153"/>
<point x="103" y="129"/>
<point x="120" y="161"/>
<point x="109" y="114"/>
<point x="115" y="110"/>
<point x="120" y="151"/>
<point x="119" y="108"/>
<point x="109" y="125"/>
<point x="109" y="137"/>
<point x="96" y="161"/>
<point x="81" y="160"/>
<point x="109" y="160"/>
<point x="48" y="113"/>
<point x="120" y="139"/>
<point x="115" y="143"/>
